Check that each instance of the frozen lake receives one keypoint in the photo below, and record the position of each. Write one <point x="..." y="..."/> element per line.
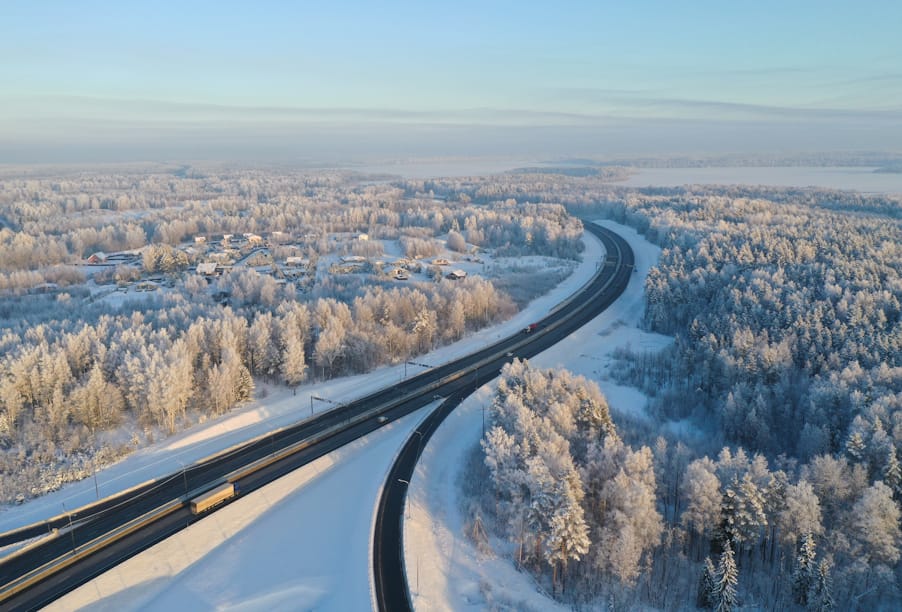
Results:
<point x="445" y="168"/>
<point x="854" y="178"/>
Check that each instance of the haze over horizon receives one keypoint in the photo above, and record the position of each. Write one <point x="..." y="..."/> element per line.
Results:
<point x="94" y="81"/>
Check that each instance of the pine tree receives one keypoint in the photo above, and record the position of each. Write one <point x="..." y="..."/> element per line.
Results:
<point x="822" y="598"/>
<point x="743" y="512"/>
<point x="568" y="536"/>
<point x="804" y="575"/>
<point x="892" y="473"/>
<point x="725" y="581"/>
<point x="706" y="585"/>
<point x="855" y="446"/>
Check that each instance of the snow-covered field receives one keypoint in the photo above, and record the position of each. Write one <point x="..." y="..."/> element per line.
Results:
<point x="445" y="570"/>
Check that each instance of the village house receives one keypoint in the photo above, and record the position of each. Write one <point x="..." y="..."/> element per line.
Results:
<point x="207" y="268"/>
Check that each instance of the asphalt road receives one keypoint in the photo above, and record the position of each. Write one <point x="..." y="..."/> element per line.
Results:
<point x="392" y="591"/>
<point x="82" y="560"/>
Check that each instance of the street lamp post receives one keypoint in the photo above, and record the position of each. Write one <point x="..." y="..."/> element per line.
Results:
<point x="94" y="463"/>
<point x="71" y="528"/>
<point x="420" y="443"/>
<point x="406" y="498"/>
<point x="184" y="476"/>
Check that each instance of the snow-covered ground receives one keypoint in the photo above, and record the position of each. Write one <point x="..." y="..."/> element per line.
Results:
<point x="312" y="550"/>
<point x="445" y="570"/>
<point x="300" y="543"/>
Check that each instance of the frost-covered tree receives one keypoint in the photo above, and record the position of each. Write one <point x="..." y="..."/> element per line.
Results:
<point x="707" y="586"/>
<point x="725" y="581"/>
<point x="456" y="242"/>
<point x="821" y="600"/>
<point x="800" y="515"/>
<point x="742" y="510"/>
<point x="805" y="574"/>
<point x="703" y="498"/>
<point x="568" y="537"/>
<point x="892" y="472"/>
<point x="875" y="524"/>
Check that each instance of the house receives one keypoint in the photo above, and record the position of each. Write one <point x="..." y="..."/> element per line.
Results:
<point x="401" y="276"/>
<point x="97" y="258"/>
<point x="200" y="239"/>
<point x="441" y="261"/>
<point x="456" y="275"/>
<point x="353" y="259"/>
<point x="253" y="238"/>
<point x="363" y="237"/>
<point x="208" y="268"/>
<point x="294" y="260"/>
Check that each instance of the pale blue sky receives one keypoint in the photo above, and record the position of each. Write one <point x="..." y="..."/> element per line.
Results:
<point x="257" y="79"/>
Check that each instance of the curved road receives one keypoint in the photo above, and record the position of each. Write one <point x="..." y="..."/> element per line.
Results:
<point x="392" y="592"/>
<point x="90" y="540"/>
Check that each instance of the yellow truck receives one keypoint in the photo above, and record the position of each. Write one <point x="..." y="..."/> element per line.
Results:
<point x="213" y="497"/>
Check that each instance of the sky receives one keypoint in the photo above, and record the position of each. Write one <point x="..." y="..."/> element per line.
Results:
<point x="306" y="80"/>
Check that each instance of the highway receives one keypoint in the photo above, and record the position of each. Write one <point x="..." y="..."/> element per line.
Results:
<point x="92" y="539"/>
<point x="390" y="579"/>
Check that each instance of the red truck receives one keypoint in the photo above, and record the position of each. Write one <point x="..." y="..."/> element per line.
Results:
<point x="530" y="328"/>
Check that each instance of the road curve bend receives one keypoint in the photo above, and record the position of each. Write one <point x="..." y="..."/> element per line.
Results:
<point x="392" y="593"/>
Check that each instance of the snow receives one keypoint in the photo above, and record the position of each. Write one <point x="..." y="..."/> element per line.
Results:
<point x="303" y="542"/>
